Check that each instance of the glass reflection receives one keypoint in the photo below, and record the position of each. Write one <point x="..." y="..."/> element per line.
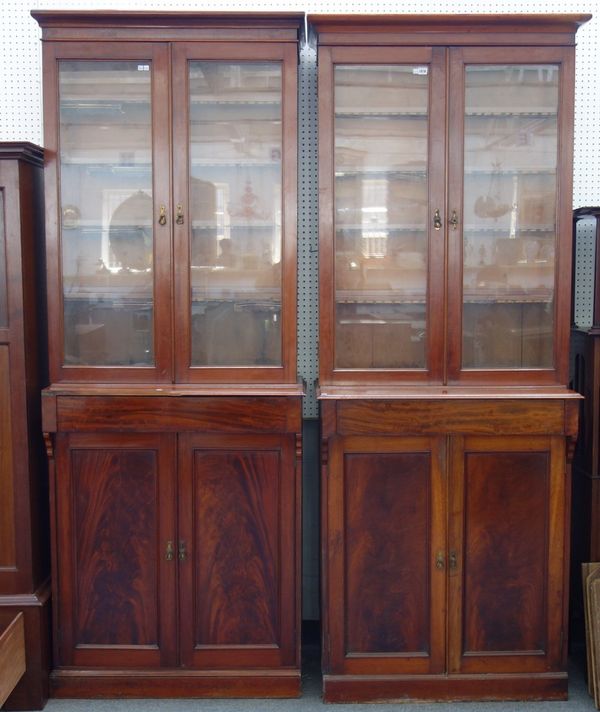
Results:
<point x="381" y="195"/>
<point x="235" y="202"/>
<point x="107" y="212"/>
<point x="511" y="144"/>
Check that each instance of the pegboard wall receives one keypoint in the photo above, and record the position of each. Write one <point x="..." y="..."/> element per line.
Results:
<point x="20" y="110"/>
<point x="585" y="258"/>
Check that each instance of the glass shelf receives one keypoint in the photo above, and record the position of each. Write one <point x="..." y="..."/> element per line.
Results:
<point x="376" y="113"/>
<point x="229" y="163"/>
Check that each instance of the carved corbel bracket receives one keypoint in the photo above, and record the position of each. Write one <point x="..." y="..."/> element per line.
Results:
<point x="49" y="443"/>
<point x="324" y="453"/>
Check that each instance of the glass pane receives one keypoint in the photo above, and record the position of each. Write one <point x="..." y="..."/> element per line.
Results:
<point x="3" y="285"/>
<point x="235" y="203"/>
<point x="106" y="204"/>
<point x="511" y="145"/>
<point x="381" y="191"/>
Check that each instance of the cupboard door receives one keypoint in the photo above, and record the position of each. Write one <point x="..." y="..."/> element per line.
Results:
<point x="507" y="542"/>
<point x="510" y="197"/>
<point x="109" y="261"/>
<point x="238" y="551"/>
<point x="8" y="522"/>
<point x="115" y="516"/>
<point x="235" y="228"/>
<point x="382" y="129"/>
<point x="385" y="566"/>
<point x="3" y="279"/>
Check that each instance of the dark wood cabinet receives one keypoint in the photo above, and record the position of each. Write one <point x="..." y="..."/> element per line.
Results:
<point x="174" y="409"/>
<point x="445" y="169"/>
<point x="177" y="544"/>
<point x="446" y="554"/>
<point x="24" y="551"/>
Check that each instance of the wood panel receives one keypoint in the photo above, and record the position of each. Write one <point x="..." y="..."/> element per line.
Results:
<point x="236" y="547"/>
<point x="168" y="414"/>
<point x="485" y="417"/>
<point x="12" y="656"/>
<point x="236" y="584"/>
<point x="116" y="514"/>
<point x="115" y="529"/>
<point x="387" y="552"/>
<point x="507" y="560"/>
<point x="385" y="594"/>
<point x="7" y="503"/>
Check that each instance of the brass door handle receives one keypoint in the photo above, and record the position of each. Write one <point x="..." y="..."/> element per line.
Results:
<point x="170" y="552"/>
<point x="437" y="220"/>
<point x="453" y="560"/>
<point x="162" y="215"/>
<point x="439" y="560"/>
<point x="454" y="220"/>
<point x="182" y="551"/>
<point x="179" y="214"/>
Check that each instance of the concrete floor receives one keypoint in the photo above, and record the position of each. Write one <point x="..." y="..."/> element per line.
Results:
<point x="311" y="702"/>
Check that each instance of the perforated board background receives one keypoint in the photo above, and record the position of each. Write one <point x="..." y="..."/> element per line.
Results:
<point x="585" y="256"/>
<point x="20" y="110"/>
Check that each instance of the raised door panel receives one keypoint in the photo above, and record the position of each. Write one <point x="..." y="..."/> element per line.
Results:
<point x="507" y="543"/>
<point x="385" y="562"/>
<point x="8" y="561"/>
<point x="237" y="527"/>
<point x="115" y="515"/>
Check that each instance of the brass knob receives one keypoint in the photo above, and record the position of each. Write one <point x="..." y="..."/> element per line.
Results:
<point x="162" y="215"/>
<point x="454" y="220"/>
<point x="182" y="551"/>
<point x="179" y="214"/>
<point x="453" y="560"/>
<point x="439" y="560"/>
<point x="170" y="553"/>
<point x="437" y="220"/>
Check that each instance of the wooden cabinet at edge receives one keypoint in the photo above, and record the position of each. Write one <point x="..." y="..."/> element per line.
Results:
<point x="24" y="550"/>
<point x="445" y="215"/>
<point x="173" y="411"/>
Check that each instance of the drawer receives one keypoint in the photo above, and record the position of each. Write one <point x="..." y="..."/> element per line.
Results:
<point x="12" y="655"/>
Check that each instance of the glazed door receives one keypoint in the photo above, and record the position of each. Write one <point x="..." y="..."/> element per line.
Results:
<point x="115" y="514"/>
<point x="235" y="145"/>
<point x="107" y="134"/>
<point x="386" y="549"/>
<point x="510" y="211"/>
<point x="507" y="549"/>
<point x="382" y="207"/>
<point x="237" y="551"/>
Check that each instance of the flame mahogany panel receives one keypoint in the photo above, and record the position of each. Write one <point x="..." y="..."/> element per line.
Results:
<point x="115" y="528"/>
<point x="387" y="512"/>
<point x="506" y="515"/>
<point x="236" y="544"/>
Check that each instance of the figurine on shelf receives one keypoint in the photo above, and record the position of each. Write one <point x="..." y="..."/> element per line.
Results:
<point x="490" y="205"/>
<point x="248" y="206"/>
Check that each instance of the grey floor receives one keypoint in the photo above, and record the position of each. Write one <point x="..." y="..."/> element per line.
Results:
<point x="311" y="702"/>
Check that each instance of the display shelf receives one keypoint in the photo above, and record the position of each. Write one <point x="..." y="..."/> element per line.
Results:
<point x="379" y="113"/>
<point x="487" y="229"/>
<point x="375" y="171"/>
<point x="384" y="227"/>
